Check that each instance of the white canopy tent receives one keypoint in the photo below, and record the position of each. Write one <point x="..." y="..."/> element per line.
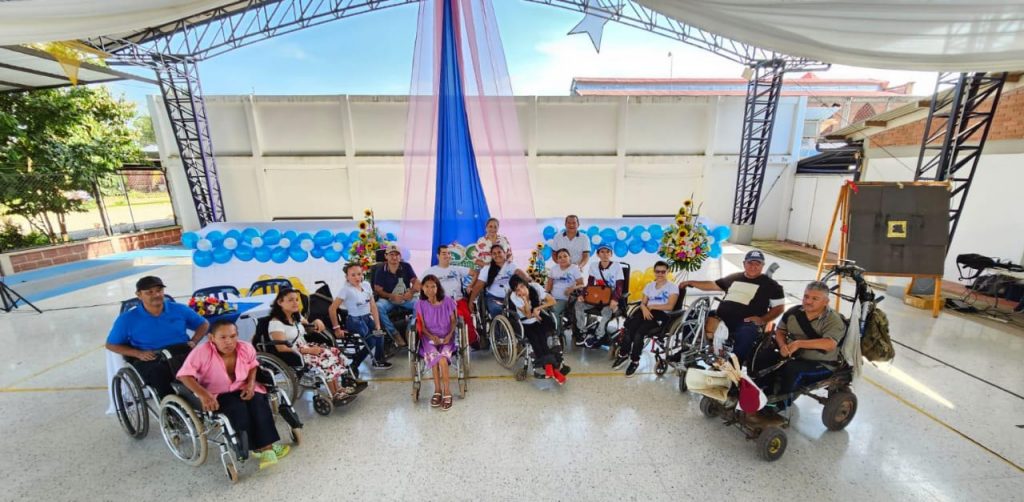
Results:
<point x="953" y="35"/>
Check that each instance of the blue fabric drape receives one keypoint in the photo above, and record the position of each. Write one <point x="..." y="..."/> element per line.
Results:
<point x="460" y="208"/>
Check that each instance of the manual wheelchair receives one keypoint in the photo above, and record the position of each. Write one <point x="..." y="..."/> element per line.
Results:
<point x="187" y="429"/>
<point x="459" y="367"/>
<point x="509" y="343"/>
<point x="593" y="316"/>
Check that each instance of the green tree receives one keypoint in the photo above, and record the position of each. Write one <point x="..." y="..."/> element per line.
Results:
<point x="147" y="136"/>
<point x="58" y="142"/>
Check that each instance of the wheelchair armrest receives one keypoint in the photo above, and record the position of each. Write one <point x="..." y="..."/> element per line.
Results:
<point x="265" y="377"/>
<point x="187" y="394"/>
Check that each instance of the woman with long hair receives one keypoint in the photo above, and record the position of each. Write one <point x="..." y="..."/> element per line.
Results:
<point x="435" y="318"/>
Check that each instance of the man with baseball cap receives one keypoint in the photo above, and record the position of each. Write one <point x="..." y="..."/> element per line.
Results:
<point x="396" y="285"/>
<point x="752" y="300"/>
<point x="154" y="325"/>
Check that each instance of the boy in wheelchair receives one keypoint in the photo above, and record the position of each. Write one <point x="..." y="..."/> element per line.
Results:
<point x="526" y="299"/>
<point x="222" y="375"/>
<point x="609" y="277"/>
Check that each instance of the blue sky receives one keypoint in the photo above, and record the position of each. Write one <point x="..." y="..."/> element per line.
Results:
<point x="372" y="54"/>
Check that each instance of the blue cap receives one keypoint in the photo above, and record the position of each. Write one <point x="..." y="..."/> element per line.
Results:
<point x="604" y="245"/>
<point x="754" y="255"/>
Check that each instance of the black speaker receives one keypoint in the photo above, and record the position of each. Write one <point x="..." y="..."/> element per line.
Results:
<point x="898" y="228"/>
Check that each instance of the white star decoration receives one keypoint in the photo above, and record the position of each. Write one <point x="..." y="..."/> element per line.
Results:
<point x="593" y="24"/>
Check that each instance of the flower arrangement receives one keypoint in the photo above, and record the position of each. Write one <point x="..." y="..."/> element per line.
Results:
<point x="685" y="245"/>
<point x="364" y="249"/>
<point x="537" y="270"/>
<point x="210" y="306"/>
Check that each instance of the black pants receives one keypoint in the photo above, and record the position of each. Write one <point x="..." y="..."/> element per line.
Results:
<point x="537" y="334"/>
<point x="635" y="329"/>
<point x="252" y="417"/>
<point x="159" y="373"/>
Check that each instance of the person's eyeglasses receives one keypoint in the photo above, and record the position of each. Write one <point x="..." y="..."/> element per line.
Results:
<point x="661" y="271"/>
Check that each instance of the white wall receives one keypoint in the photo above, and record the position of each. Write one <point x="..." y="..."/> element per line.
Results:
<point x="331" y="156"/>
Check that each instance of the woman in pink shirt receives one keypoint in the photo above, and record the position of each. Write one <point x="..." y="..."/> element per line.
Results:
<point x="222" y="374"/>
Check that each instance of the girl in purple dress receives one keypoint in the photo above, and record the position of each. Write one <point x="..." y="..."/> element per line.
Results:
<point x="435" y="319"/>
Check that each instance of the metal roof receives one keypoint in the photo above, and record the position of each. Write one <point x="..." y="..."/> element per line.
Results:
<point x="24" y="68"/>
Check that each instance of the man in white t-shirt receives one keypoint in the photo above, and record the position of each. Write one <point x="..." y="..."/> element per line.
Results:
<point x="453" y="279"/>
<point x="603" y="272"/>
<point x="571" y="239"/>
<point x="563" y="279"/>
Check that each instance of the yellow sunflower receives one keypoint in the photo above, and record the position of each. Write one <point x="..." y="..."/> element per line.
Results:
<point x="367" y="212"/>
<point x="362" y="235"/>
<point x="540" y="245"/>
<point x="363" y="225"/>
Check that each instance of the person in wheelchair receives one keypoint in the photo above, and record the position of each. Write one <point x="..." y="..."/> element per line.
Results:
<point x="156" y="324"/>
<point x="807" y="338"/>
<point x="563" y="280"/>
<point x="222" y="374"/>
<point x="526" y="298"/>
<point x="751" y="301"/>
<point x="659" y="297"/>
<point x="288" y="325"/>
<point x="396" y="285"/>
<point x="435" y="320"/>
<point x="602" y="273"/>
<point x="357" y="296"/>
<point x="452" y="279"/>
<point x="494" y="281"/>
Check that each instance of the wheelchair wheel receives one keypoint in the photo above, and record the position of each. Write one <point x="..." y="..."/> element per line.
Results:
<point x="521" y="374"/>
<point x="414" y="368"/>
<point x="771" y="444"/>
<point x="840" y="407"/>
<point x="503" y="341"/>
<point x="415" y="391"/>
<point x="709" y="407"/>
<point x="463" y="360"/>
<point x="130" y="403"/>
<point x="296" y="436"/>
<point x="284" y="375"/>
<point x="232" y="472"/>
<point x="182" y="430"/>
<point x="660" y="366"/>
<point x="682" y="381"/>
<point x="322" y="406"/>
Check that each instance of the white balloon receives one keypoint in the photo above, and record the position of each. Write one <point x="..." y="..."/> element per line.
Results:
<point x="230" y="243"/>
<point x="204" y="245"/>
<point x="257" y="242"/>
<point x="711" y="240"/>
<point x="622" y="235"/>
<point x="596" y="239"/>
<point x="306" y="245"/>
<point x="285" y="243"/>
<point x="336" y="246"/>
<point x="646" y="236"/>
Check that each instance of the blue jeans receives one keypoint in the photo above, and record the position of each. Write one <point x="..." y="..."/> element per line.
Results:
<point x="385" y="306"/>
<point x="364" y="326"/>
<point x="743" y="337"/>
<point x="495" y="304"/>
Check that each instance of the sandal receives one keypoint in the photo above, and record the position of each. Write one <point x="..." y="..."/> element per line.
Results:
<point x="435" y="400"/>
<point x="446" y="403"/>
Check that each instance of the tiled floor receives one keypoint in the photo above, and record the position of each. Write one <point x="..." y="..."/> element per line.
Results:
<point x="924" y="430"/>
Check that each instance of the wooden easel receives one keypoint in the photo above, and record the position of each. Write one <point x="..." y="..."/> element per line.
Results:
<point x="841" y="215"/>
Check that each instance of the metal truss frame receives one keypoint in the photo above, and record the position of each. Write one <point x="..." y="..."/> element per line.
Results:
<point x="955" y="132"/>
<point x="763" y="91"/>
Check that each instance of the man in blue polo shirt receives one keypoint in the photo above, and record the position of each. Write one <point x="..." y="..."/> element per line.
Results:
<point x="156" y="324"/>
<point x="397" y="287"/>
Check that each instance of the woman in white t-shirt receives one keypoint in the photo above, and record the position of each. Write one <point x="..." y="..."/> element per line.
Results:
<point x="493" y="280"/>
<point x="287" y="324"/>
<point x="363" y="317"/>
<point x="563" y="279"/>
<point x="530" y="300"/>
<point x="659" y="298"/>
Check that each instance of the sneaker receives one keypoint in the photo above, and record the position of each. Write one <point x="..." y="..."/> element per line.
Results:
<point x="281" y="450"/>
<point x="583" y="342"/>
<point x="559" y="377"/>
<point x="382" y="365"/>
<point x="565" y="369"/>
<point x="619" y="361"/>
<point x="267" y="458"/>
<point x="631" y="369"/>
<point x="592" y="343"/>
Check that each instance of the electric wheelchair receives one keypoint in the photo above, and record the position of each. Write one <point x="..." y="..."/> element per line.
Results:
<point x="460" y="364"/>
<point x="294" y="376"/>
<point x="187" y="429"/>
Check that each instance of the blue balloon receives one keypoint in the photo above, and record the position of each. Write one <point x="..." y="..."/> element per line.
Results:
<point x="656" y="231"/>
<point x="546" y="253"/>
<point x="323" y="238"/>
<point x="549" y="232"/>
<point x="189" y="239"/>
<point x="262" y="254"/>
<point x="651" y="246"/>
<point x="722" y="233"/>
<point x="621" y="249"/>
<point x="353" y="235"/>
<point x="593" y="230"/>
<point x="290" y="235"/>
<point x="234" y="234"/>
<point x="637" y="231"/>
<point x="271" y="237"/>
<point x="608" y="235"/>
<point x="222" y="255"/>
<point x="317" y="253"/>
<point x="249" y="234"/>
<point x="303" y="235"/>
<point x="341" y="238"/>
<point x="202" y="258"/>
<point x="331" y="255"/>
<point x="279" y="255"/>
<point x="215" y="237"/>
<point x="391" y="237"/>
<point x="244" y="252"/>
<point x="715" y="251"/>
<point x="298" y="255"/>
<point x="636" y="246"/>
